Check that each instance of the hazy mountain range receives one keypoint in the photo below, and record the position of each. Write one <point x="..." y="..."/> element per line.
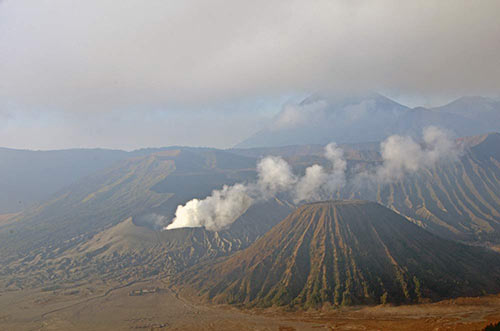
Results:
<point x="33" y="176"/>
<point x="108" y="224"/>
<point x="320" y="120"/>
<point x="102" y="219"/>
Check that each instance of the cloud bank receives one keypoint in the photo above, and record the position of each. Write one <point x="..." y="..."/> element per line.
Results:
<point x="97" y="55"/>
<point x="77" y="73"/>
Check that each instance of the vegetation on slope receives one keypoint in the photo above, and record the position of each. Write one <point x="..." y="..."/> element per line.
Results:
<point x="345" y="253"/>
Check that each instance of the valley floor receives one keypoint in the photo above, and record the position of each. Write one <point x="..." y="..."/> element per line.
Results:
<point x="101" y="307"/>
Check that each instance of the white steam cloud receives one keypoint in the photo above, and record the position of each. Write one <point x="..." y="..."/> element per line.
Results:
<point x="293" y="115"/>
<point x="223" y="207"/>
<point x="274" y="175"/>
<point x="400" y="155"/>
<point x="318" y="183"/>
<point x="216" y="211"/>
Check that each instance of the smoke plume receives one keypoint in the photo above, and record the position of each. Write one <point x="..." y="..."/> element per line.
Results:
<point x="274" y="175"/>
<point x="223" y="207"/>
<point x="402" y="155"/>
<point x="317" y="183"/>
<point x="216" y="211"/>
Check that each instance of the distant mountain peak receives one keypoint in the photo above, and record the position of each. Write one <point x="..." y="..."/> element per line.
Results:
<point x="322" y="119"/>
<point x="343" y="100"/>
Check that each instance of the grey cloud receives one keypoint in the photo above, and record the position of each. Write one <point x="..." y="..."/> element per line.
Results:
<point x="102" y="57"/>
<point x="96" y="55"/>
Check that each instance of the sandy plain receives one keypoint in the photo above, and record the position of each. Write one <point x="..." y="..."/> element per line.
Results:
<point x="159" y="307"/>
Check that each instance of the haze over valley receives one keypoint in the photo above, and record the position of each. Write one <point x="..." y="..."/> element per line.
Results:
<point x="264" y="166"/>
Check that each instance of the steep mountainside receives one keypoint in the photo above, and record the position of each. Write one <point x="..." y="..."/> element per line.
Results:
<point x="148" y="189"/>
<point x="127" y="251"/>
<point x="27" y="177"/>
<point x="321" y="120"/>
<point x="88" y="206"/>
<point x="134" y="187"/>
<point x="343" y="253"/>
<point x="458" y="200"/>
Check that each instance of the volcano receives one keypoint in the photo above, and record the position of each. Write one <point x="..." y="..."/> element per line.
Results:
<point x="346" y="253"/>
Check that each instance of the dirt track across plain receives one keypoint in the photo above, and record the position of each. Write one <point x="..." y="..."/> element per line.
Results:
<point x="114" y="308"/>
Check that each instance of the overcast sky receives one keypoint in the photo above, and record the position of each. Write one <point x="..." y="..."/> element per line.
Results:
<point x="129" y="74"/>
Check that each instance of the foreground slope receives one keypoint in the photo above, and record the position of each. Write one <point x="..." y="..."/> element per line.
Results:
<point x="129" y="252"/>
<point x="343" y="253"/>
